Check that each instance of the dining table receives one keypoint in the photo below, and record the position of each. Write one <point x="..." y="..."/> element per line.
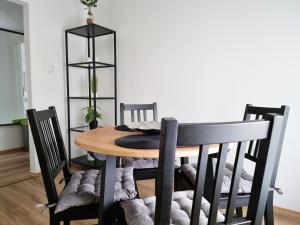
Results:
<point x="103" y="141"/>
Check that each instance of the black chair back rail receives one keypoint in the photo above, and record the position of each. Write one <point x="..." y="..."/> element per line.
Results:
<point x="256" y="112"/>
<point x="260" y="112"/>
<point x="138" y="109"/>
<point x="266" y="132"/>
<point x="50" y="148"/>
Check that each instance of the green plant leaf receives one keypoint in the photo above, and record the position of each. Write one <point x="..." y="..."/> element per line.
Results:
<point x="21" y="121"/>
<point x="89" y="3"/>
<point x="90" y="113"/>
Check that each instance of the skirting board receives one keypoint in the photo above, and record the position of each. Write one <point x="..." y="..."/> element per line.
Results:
<point x="13" y="150"/>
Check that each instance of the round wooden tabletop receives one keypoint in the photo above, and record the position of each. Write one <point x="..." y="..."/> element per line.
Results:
<point x="102" y="140"/>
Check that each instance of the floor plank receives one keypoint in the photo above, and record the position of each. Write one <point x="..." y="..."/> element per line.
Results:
<point x="14" y="166"/>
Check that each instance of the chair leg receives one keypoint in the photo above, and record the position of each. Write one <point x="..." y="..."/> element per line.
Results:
<point x="177" y="180"/>
<point x="53" y="220"/>
<point x="269" y="213"/>
<point x="239" y="212"/>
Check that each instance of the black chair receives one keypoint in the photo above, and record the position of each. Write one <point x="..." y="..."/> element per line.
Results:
<point x="188" y="171"/>
<point x="53" y="159"/>
<point x="188" y="207"/>
<point x="144" y="168"/>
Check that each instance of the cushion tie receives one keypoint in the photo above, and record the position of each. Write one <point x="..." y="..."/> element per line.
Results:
<point x="278" y="190"/>
<point x="45" y="206"/>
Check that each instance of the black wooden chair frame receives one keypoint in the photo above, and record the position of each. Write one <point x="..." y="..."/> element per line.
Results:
<point x="243" y="198"/>
<point x="267" y="132"/>
<point x="53" y="159"/>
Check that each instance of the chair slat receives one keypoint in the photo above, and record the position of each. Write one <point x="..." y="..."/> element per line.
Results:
<point x="155" y="114"/>
<point x="145" y="115"/>
<point x="132" y="116"/>
<point x="250" y="147"/>
<point x="235" y="181"/>
<point x="199" y="184"/>
<point x="255" y="146"/>
<point x="47" y="145"/>
<point x="60" y="144"/>
<point x="223" y="152"/>
<point x="52" y="149"/>
<point x="139" y="115"/>
<point x="54" y="144"/>
<point x="256" y="149"/>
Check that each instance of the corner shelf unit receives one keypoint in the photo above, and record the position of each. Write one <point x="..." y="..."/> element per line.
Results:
<point x="90" y="32"/>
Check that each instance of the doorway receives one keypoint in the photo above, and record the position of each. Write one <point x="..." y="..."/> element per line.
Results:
<point x="14" y="93"/>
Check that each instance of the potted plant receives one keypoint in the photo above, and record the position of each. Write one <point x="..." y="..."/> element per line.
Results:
<point x="24" y="123"/>
<point x="89" y="4"/>
<point x="92" y="116"/>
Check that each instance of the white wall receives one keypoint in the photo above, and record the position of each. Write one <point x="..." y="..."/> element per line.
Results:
<point x="11" y="17"/>
<point x="11" y="137"/>
<point x="204" y="60"/>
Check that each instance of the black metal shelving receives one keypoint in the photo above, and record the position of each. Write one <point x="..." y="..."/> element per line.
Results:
<point x="90" y="32"/>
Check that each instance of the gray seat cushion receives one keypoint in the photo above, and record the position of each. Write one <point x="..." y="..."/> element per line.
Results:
<point x="245" y="182"/>
<point x="140" y="163"/>
<point x="142" y="211"/>
<point x="84" y="188"/>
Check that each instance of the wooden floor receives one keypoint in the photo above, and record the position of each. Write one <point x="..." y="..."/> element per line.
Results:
<point x="18" y="204"/>
<point x="14" y="166"/>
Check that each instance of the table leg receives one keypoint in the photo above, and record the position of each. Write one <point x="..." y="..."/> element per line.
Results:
<point x="107" y="191"/>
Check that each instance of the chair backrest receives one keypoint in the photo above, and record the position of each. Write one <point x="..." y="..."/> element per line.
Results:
<point x="137" y="109"/>
<point x="49" y="147"/>
<point x="257" y="112"/>
<point x="266" y="131"/>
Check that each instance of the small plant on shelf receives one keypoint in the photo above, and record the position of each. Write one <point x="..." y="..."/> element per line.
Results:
<point x="92" y="116"/>
<point x="89" y="4"/>
<point x="94" y="85"/>
<point x="21" y="121"/>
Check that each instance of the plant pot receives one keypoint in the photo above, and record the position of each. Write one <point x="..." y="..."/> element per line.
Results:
<point x="93" y="125"/>
<point x="89" y="21"/>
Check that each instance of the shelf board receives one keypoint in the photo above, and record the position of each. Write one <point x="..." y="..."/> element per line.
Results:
<point x="80" y="129"/>
<point x="10" y="124"/>
<point x="83" y="160"/>
<point x="89" y="65"/>
<point x="90" y="31"/>
<point x="85" y="97"/>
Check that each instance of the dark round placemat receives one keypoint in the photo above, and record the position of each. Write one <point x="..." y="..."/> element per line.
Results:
<point x="142" y="141"/>
<point x="123" y="128"/>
